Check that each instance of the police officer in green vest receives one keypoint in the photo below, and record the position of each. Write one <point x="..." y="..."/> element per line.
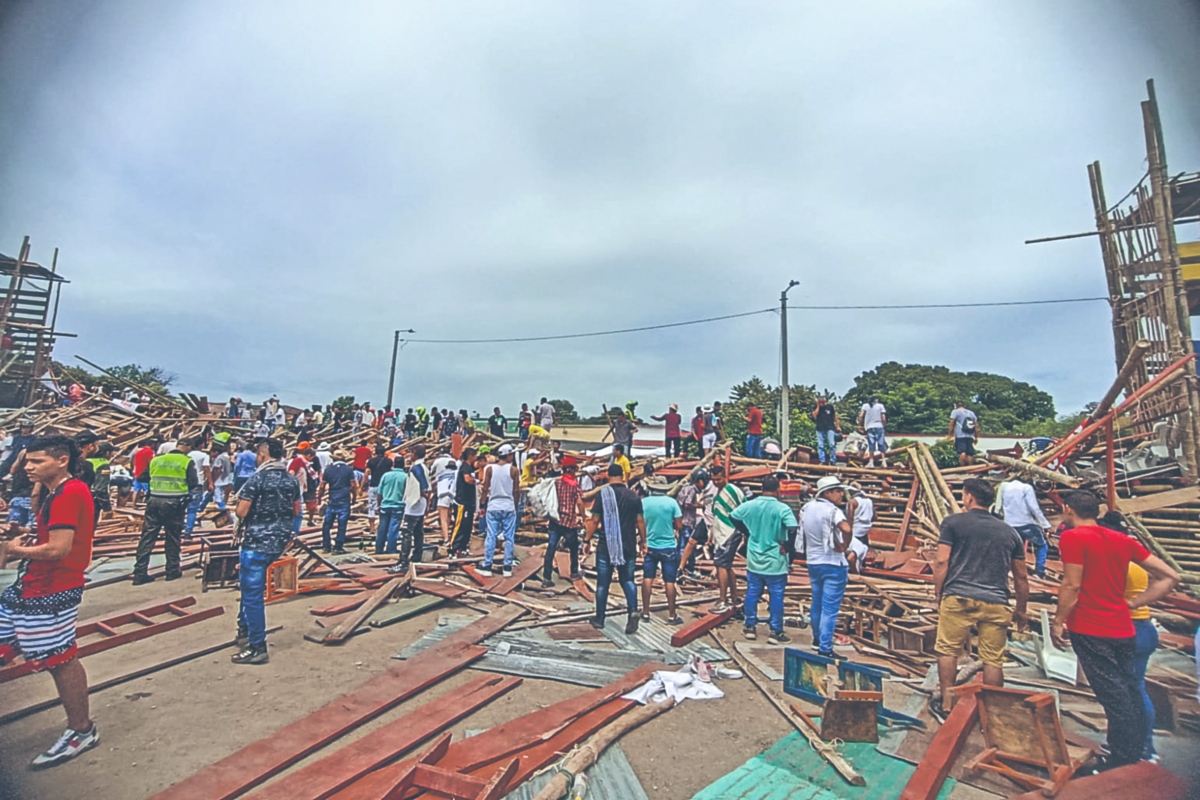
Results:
<point x="171" y="476"/>
<point x="102" y="471"/>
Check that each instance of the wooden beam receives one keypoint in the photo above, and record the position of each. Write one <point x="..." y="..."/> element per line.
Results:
<point x="1157" y="500"/>
<point x="701" y="626"/>
<point x="939" y="758"/>
<point x="381" y="595"/>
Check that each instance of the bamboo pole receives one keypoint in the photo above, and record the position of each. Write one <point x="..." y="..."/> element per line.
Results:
<point x="1136" y="354"/>
<point x="955" y="508"/>
<point x="1033" y="470"/>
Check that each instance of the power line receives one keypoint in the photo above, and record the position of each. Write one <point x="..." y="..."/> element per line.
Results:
<point x="705" y="320"/>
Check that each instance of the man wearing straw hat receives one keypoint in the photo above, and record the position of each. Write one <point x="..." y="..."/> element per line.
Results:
<point x="826" y="538"/>
<point x="672" y="443"/>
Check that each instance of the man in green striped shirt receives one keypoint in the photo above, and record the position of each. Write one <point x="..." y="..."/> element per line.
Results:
<point x="725" y="539"/>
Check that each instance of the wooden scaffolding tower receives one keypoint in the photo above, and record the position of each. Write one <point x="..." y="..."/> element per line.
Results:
<point x="28" y="313"/>
<point x="1147" y="290"/>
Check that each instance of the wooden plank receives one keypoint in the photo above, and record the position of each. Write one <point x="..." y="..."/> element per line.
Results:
<point x="108" y="642"/>
<point x="254" y="763"/>
<point x="442" y="590"/>
<point x="524" y="571"/>
<point x="1157" y="500"/>
<point x="1140" y="780"/>
<point x="381" y="595"/>
<point x="339" y="769"/>
<point x="343" y="605"/>
<point x="703" y="625"/>
<point x="947" y="743"/>
<point x="408" y="607"/>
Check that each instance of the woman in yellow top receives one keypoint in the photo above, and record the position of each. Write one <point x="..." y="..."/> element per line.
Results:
<point x="1145" y="643"/>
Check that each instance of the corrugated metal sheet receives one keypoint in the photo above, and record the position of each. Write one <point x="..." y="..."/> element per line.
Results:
<point x="611" y="778"/>
<point x="654" y="636"/>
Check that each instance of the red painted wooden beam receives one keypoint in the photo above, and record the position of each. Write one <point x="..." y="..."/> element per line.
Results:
<point x="695" y="630"/>
<point x="931" y="773"/>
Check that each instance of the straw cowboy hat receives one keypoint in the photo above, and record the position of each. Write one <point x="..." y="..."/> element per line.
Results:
<point x="829" y="483"/>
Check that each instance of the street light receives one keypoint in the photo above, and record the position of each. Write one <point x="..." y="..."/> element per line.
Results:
<point x="785" y="420"/>
<point x="392" y="377"/>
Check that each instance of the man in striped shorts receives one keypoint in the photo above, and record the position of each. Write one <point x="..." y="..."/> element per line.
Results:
<point x="38" y="611"/>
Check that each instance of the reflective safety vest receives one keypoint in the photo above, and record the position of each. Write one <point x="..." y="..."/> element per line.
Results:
<point x="168" y="475"/>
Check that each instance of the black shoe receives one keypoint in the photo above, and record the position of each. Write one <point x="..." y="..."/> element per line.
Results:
<point x="739" y="613"/>
<point x="778" y="637"/>
<point x="339" y="551"/>
<point x="937" y="710"/>
<point x="547" y="584"/>
<point x="252" y="655"/>
<point x="326" y="550"/>
<point x="174" y="576"/>
<point x="576" y="576"/>
<point x="598" y="624"/>
<point x="139" y="580"/>
<point x="631" y="627"/>
<point x="826" y="654"/>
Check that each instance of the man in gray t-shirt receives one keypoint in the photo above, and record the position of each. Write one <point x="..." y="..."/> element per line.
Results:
<point x="976" y="553"/>
<point x="964" y="429"/>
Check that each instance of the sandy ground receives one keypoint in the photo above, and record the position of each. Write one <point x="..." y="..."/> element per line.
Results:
<point x="161" y="728"/>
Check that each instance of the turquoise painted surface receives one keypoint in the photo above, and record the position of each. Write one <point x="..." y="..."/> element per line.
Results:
<point x="791" y="770"/>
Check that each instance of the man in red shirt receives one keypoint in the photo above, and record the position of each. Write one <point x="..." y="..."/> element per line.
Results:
<point x="1092" y="606"/>
<point x="39" y="610"/>
<point x="565" y="529"/>
<point x="362" y="454"/>
<point x="754" y="432"/>
<point x="671" y="437"/>
<point x="141" y="461"/>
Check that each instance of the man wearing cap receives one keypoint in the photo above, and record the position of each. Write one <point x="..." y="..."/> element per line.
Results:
<point x="826" y="537"/>
<point x="826" y="420"/>
<point x="664" y="519"/>
<point x="501" y="483"/>
<point x="565" y="529"/>
<point x="617" y="513"/>
<point x="622" y="433"/>
<point x="171" y="477"/>
<point x="726" y="539"/>
<point x="324" y="455"/>
<point x="768" y="524"/>
<point x="465" y="496"/>
<point x="19" y="509"/>
<point x="696" y="501"/>
<point x="671" y="420"/>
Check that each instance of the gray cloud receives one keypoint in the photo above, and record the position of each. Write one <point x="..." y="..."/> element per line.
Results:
<point x="255" y="195"/>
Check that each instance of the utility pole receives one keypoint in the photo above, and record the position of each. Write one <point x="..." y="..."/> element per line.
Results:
<point x="392" y="377"/>
<point x="784" y="412"/>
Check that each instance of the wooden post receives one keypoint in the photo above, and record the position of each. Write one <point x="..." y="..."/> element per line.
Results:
<point x="908" y="513"/>
<point x="1136" y="354"/>
<point x="1111" y="451"/>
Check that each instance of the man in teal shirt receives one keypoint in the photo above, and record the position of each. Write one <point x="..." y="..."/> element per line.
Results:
<point x="391" y="506"/>
<point x="664" y="519"/>
<point x="768" y="525"/>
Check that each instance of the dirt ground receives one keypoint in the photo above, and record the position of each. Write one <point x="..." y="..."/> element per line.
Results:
<point x="163" y="727"/>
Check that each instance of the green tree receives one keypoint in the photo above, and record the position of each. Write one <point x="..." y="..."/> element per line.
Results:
<point x="345" y="402"/>
<point x="565" y="410"/>
<point x="156" y="379"/>
<point x="801" y="400"/>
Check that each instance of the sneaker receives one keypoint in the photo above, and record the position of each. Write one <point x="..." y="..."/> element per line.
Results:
<point x="826" y="653"/>
<point x="547" y="584"/>
<point x="576" y="576"/>
<point x="631" y="627"/>
<point x="69" y="745"/>
<point x="645" y="617"/>
<point x="507" y="572"/>
<point x="339" y="551"/>
<point x="140" y="580"/>
<point x="720" y="608"/>
<point x="398" y="569"/>
<point x="778" y="637"/>
<point x="937" y="710"/>
<point x="484" y="572"/>
<point x="174" y="576"/>
<point x="675" y="620"/>
<point x="252" y="655"/>
<point x="749" y="633"/>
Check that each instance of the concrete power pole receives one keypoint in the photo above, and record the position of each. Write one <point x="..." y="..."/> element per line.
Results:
<point x="392" y="377"/>
<point x="785" y="419"/>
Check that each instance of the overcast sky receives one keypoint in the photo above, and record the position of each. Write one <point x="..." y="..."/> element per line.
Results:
<point x="255" y="195"/>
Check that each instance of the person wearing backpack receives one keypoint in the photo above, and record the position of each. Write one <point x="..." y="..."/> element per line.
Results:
<point x="964" y="427"/>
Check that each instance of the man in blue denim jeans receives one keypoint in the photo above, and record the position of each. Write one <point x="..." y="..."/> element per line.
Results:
<point x="1018" y="506"/>
<point x="827" y="535"/>
<point x="828" y="427"/>
<point x="267" y="504"/>
<point x="767" y="525"/>
<point x="617" y="514"/>
<point x="501" y="485"/>
<point x="338" y="479"/>
<point x="872" y="421"/>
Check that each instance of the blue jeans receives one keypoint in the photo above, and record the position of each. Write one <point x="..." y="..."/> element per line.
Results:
<point x="828" y="588"/>
<point x="341" y="512"/>
<point x="252" y="581"/>
<point x="218" y="494"/>
<point x="775" y="585"/>
<point x="389" y="529"/>
<point x="1033" y="534"/>
<point x="826" y="440"/>
<point x="754" y="445"/>
<point x="20" y="511"/>
<point x="604" y="576"/>
<point x="196" y="504"/>
<point x="496" y="520"/>
<point x="569" y="538"/>
<point x="875" y="441"/>
<point x="1146" y="643"/>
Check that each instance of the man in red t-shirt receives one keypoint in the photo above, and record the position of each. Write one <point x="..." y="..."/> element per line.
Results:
<point x="141" y="462"/>
<point x="362" y="454"/>
<point x="39" y="610"/>
<point x="754" y="419"/>
<point x="1092" y="606"/>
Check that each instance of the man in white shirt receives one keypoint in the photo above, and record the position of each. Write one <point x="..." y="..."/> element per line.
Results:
<point x="199" y="496"/>
<point x="1018" y="505"/>
<point x="862" y="516"/>
<point x="546" y="415"/>
<point x="872" y="421"/>
<point x="826" y="535"/>
<point x="964" y="428"/>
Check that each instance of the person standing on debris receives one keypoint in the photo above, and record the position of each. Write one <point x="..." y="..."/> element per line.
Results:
<point x="501" y="483"/>
<point x="391" y="507"/>
<point x="38" y="612"/>
<point x="1020" y="509"/>
<point x="872" y="421"/>
<point x="964" y="428"/>
<point x="696" y="501"/>
<point x="312" y="485"/>
<point x="409" y="427"/>
<point x="376" y="467"/>
<point x="339" y="485"/>
<point x="547" y="415"/>
<point x="828" y="427"/>
<point x="826" y="537"/>
<point x="267" y="506"/>
<point x="664" y="520"/>
<point x="1092" y="606"/>
<point x="418" y="491"/>
<point x="172" y="478"/>
<point x="222" y="477"/>
<point x="244" y="465"/>
<point x="565" y="529"/>
<point x="620" y="459"/>
<point x="726" y="539"/>
<point x="497" y="424"/>
<point x="754" y="431"/>
<point x="708" y="431"/>
<point x="449" y="424"/>
<point x="622" y="433"/>
<point x="362" y="454"/>
<point x="768" y="524"/>
<point x="975" y="555"/>
<point x="862" y="517"/>
<point x="617" y="512"/>
<point x="198" y="498"/>
<point x="444" y="485"/>
<point x="465" y="494"/>
<point x="671" y="430"/>
<point x="524" y="420"/>
<point x="324" y="455"/>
